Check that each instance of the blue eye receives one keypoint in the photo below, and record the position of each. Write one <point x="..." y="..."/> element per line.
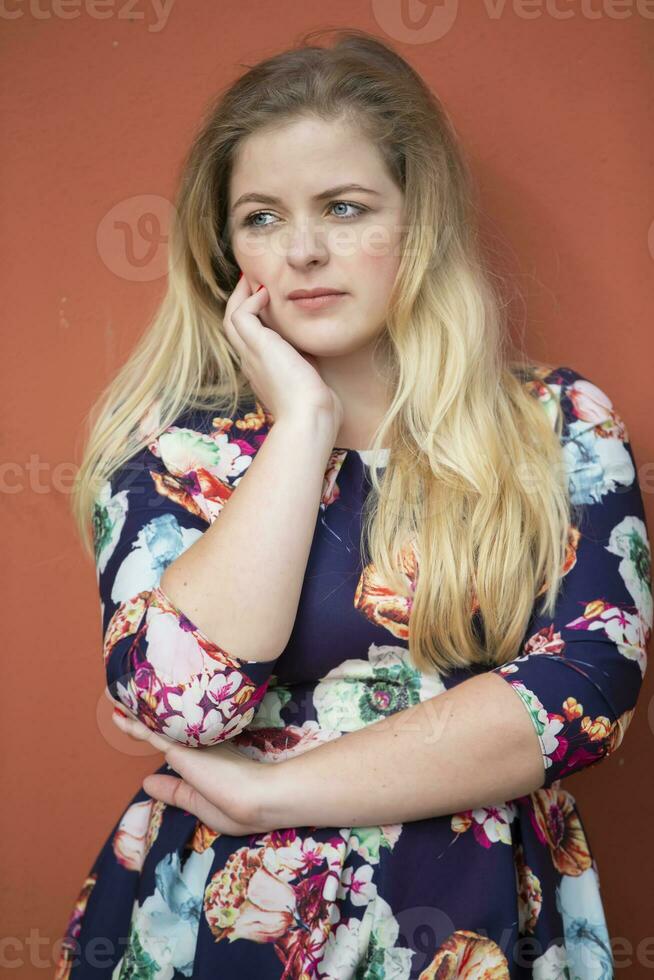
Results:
<point x="347" y="205"/>
<point x="249" y="221"/>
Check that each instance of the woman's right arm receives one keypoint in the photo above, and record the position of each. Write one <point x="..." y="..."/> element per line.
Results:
<point x="240" y="582"/>
<point x="195" y="614"/>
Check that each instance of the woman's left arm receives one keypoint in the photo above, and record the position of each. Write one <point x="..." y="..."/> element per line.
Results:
<point x="577" y="678"/>
<point x="470" y="746"/>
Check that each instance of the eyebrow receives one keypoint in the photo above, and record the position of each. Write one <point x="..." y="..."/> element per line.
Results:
<point x="331" y="192"/>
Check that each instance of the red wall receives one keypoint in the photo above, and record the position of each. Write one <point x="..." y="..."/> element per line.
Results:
<point x="550" y="102"/>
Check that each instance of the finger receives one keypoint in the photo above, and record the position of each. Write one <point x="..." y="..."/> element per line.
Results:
<point x="172" y="790"/>
<point x="117" y="704"/>
<point x="176" y="792"/>
<point x="245" y="316"/>
<point x="136" y="729"/>
<point x="244" y="324"/>
<point x="240" y="293"/>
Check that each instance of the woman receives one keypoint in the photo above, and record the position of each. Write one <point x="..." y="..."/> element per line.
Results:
<point x="415" y="820"/>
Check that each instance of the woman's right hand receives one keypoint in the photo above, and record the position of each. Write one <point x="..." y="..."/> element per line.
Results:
<point x="286" y="381"/>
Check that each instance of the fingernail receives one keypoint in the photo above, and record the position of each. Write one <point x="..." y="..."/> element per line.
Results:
<point x="260" y="287"/>
<point x="119" y="712"/>
<point x="240" y="277"/>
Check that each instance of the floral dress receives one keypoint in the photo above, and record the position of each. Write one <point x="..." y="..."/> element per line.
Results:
<point x="505" y="890"/>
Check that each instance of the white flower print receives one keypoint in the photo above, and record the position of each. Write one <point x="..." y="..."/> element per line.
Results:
<point x="596" y="465"/>
<point x="629" y="541"/>
<point x="552" y="965"/>
<point x="157" y="544"/>
<point x="164" y="929"/>
<point x="357" y="885"/>
<point x="587" y="938"/>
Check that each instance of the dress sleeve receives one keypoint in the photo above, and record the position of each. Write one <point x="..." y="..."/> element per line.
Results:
<point x="164" y="669"/>
<point x="581" y="670"/>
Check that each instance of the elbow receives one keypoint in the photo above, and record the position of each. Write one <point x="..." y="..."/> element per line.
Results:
<point x="616" y="731"/>
<point x="596" y="737"/>
<point x="210" y="709"/>
<point x="604" y="712"/>
<point x="162" y="673"/>
<point x="204" y="710"/>
<point x="578" y="721"/>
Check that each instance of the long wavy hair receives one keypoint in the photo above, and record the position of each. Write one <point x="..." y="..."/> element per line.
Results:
<point x="469" y="521"/>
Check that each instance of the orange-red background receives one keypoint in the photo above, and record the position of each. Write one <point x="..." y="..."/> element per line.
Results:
<point x="552" y="112"/>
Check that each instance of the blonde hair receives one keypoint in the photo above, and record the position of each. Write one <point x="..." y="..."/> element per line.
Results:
<point x="451" y="524"/>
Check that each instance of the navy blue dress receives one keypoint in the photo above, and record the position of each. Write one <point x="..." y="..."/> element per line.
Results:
<point x="506" y="890"/>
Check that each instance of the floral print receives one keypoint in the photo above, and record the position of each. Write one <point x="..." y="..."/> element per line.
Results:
<point x="510" y="889"/>
<point x="604" y="616"/>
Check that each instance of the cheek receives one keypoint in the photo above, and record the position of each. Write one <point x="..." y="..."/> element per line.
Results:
<point x="378" y="253"/>
<point x="253" y="258"/>
<point x="376" y="269"/>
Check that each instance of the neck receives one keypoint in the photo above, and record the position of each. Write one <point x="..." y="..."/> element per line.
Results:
<point x="363" y="391"/>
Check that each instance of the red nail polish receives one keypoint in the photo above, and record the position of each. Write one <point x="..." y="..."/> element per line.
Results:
<point x="118" y="711"/>
<point x="260" y="287"/>
<point x="240" y="277"/>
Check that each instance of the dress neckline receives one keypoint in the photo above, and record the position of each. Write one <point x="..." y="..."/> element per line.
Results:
<point x="367" y="455"/>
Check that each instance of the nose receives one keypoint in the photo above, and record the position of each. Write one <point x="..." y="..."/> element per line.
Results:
<point x="306" y="243"/>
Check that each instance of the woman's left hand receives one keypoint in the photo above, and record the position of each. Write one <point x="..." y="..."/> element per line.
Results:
<point x="219" y="785"/>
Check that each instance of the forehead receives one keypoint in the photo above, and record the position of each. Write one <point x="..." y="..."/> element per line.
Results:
<point x="302" y="157"/>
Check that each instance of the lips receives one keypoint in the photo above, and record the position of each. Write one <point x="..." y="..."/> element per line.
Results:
<point x="318" y="302"/>
<point x="311" y="293"/>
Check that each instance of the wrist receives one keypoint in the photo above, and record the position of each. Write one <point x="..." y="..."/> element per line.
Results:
<point x="272" y="807"/>
<point x="315" y="422"/>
